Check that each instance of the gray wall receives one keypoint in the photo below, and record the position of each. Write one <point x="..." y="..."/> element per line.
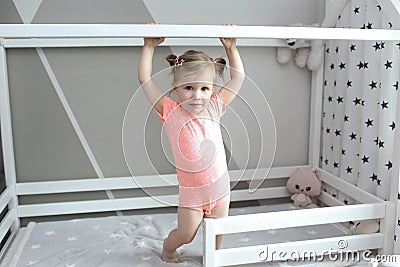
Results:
<point x="99" y="83"/>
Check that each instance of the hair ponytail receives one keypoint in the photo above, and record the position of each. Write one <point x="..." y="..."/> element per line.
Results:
<point x="220" y="66"/>
<point x="171" y="59"/>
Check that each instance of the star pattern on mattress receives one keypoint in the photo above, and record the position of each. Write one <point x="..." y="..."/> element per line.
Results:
<point x="245" y="239"/>
<point x="50" y="233"/>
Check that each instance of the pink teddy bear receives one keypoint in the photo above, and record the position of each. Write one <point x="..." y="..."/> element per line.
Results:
<point x="304" y="184"/>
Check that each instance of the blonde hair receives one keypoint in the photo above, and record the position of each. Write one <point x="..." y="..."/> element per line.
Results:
<point x="198" y="61"/>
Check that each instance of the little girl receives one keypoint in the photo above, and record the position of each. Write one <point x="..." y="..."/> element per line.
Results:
<point x="192" y="126"/>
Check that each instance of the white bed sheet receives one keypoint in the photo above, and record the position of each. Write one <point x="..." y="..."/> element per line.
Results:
<point x="137" y="240"/>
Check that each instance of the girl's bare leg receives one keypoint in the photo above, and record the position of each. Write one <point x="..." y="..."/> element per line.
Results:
<point x="188" y="223"/>
<point x="219" y="212"/>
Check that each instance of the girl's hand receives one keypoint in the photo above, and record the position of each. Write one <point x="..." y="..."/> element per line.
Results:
<point x="153" y="42"/>
<point x="228" y="43"/>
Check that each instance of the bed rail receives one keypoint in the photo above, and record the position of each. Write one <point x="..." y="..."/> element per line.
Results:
<point x="369" y="207"/>
<point x="190" y="31"/>
<point x="141" y="182"/>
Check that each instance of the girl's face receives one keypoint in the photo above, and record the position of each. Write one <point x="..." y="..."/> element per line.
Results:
<point x="194" y="90"/>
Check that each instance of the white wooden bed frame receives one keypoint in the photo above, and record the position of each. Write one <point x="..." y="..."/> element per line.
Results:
<point x="368" y="207"/>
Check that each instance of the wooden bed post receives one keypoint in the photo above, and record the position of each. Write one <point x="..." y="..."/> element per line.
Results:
<point x="209" y="239"/>
<point x="7" y="141"/>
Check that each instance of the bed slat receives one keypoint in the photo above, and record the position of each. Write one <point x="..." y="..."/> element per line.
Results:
<point x="285" y="251"/>
<point x="300" y="217"/>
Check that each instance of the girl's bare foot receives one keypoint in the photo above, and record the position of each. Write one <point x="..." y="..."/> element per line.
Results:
<point x="169" y="257"/>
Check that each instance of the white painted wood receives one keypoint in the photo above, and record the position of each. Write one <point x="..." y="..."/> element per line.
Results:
<point x="117" y="42"/>
<point x="77" y="207"/>
<point x="299" y="217"/>
<point x="329" y="200"/>
<point x="348" y="189"/>
<point x="7" y="223"/>
<point x="5" y="198"/>
<point x="285" y="251"/>
<point x="115" y="183"/>
<point x="7" y="135"/>
<point x="387" y="228"/>
<point x="209" y="239"/>
<point x="44" y="209"/>
<point x="317" y="85"/>
<point x="190" y="31"/>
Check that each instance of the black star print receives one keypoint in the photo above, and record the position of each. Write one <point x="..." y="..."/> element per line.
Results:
<point x="330" y="98"/>
<point x="369" y="122"/>
<point x="337" y="49"/>
<point x="352" y="47"/>
<point x="332" y="66"/>
<point x="342" y="65"/>
<point x="379" y="181"/>
<point x="362" y="65"/>
<point x="398" y="223"/>
<point x="384" y="105"/>
<point x="335" y="165"/>
<point x="331" y="148"/>
<point x="349" y="83"/>
<point x="334" y="83"/>
<point x="349" y="169"/>
<point x="338" y="132"/>
<point x="398" y="196"/>
<point x="326" y="161"/>
<point x="365" y="159"/>
<point x="339" y="99"/>
<point x="334" y="195"/>
<point x="383" y="45"/>
<point x="328" y="131"/>
<point x="345" y="201"/>
<point x="346" y="118"/>
<point x="333" y="116"/>
<point x="379" y="7"/>
<point x="353" y="136"/>
<point x="393" y="125"/>
<point x="388" y="64"/>
<point x="356" y="10"/>
<point x="363" y="26"/>
<point x="376" y="46"/>
<point x="390" y="25"/>
<point x="343" y="152"/>
<point x="327" y="50"/>
<point x="372" y="84"/>
<point x="374" y="177"/>
<point x="369" y="26"/>
<point x="389" y="165"/>
<point x="396" y="85"/>
<point x="376" y="141"/>
<point x="381" y="144"/>
<point x="325" y="83"/>
<point x="357" y="101"/>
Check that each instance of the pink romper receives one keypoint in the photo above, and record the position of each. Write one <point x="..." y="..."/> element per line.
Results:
<point x="199" y="154"/>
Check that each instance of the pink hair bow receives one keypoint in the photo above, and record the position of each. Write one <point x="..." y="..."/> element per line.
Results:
<point x="178" y="61"/>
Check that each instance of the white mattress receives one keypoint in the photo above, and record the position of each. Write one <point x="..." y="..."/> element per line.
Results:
<point x="137" y="240"/>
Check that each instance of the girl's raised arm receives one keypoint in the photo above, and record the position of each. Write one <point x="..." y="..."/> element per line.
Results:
<point x="229" y="91"/>
<point x="150" y="88"/>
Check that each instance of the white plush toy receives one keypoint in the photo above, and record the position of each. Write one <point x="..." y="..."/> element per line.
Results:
<point x="307" y="52"/>
<point x="364" y="227"/>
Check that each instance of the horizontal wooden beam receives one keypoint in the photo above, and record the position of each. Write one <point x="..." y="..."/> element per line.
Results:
<point x="190" y="31"/>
